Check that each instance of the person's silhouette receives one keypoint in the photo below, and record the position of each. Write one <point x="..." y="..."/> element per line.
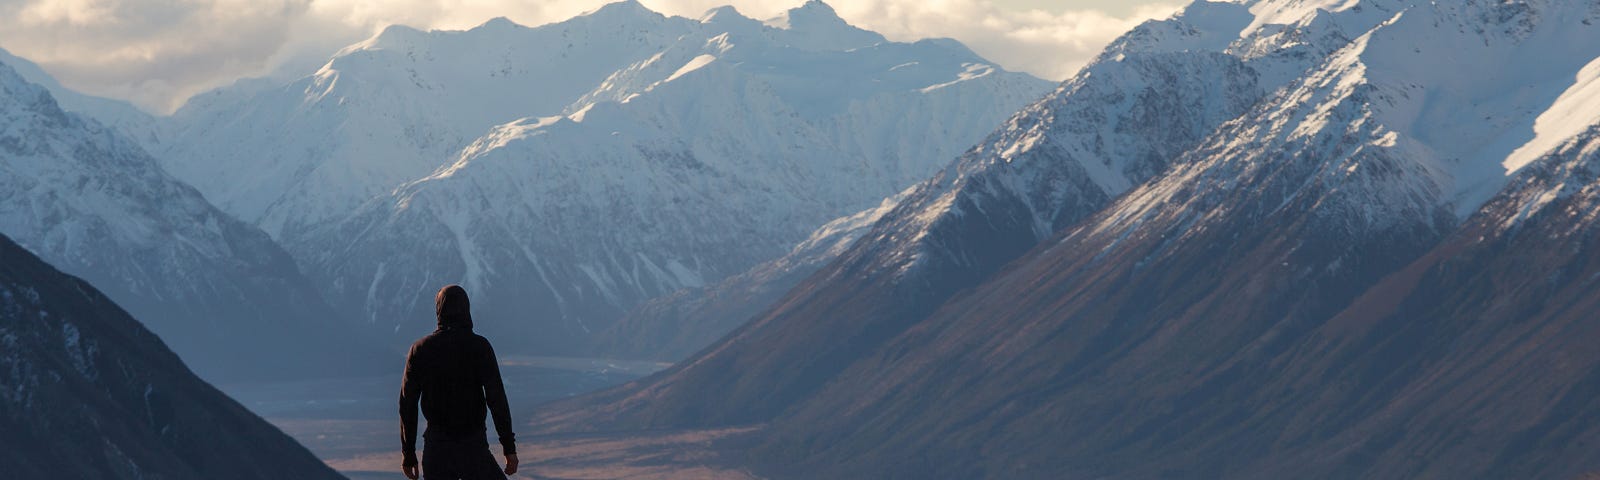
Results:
<point x="455" y="375"/>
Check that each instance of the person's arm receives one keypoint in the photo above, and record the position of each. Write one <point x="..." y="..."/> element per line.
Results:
<point x="494" y="392"/>
<point x="410" y="393"/>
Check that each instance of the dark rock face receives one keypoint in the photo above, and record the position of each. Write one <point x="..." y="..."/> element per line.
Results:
<point x="87" y="392"/>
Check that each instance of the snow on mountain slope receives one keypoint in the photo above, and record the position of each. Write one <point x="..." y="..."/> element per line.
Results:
<point x="1484" y="339"/>
<point x="93" y="202"/>
<point x="1251" y="177"/>
<point x="1416" y="116"/>
<point x="1156" y="338"/>
<point x="671" y="153"/>
<point x="119" y="115"/>
<point x="815" y="26"/>
<point x="1154" y="93"/>
<point x="1118" y="122"/>
<point x="1197" y="295"/>
<point x="392" y="109"/>
<point x="1576" y="110"/>
<point x="1249" y="353"/>
<point x="1565" y="170"/>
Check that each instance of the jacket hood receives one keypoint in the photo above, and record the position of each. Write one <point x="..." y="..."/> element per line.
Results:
<point x="452" y="307"/>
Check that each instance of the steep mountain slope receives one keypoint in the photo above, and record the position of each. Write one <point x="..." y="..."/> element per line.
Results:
<point x="1055" y="162"/>
<point x="217" y="290"/>
<point x="117" y="114"/>
<point x="671" y="153"/>
<point x="1480" y="351"/>
<point x="674" y="326"/>
<point x="1192" y="326"/>
<point x="1256" y="344"/>
<point x="393" y="109"/>
<point x="86" y="392"/>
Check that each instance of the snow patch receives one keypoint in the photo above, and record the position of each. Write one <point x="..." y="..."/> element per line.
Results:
<point x="599" y="281"/>
<point x="694" y="64"/>
<point x="372" y="290"/>
<point x="77" y="351"/>
<point x="683" y="275"/>
<point x="1284" y="12"/>
<point x="971" y="71"/>
<point x="1575" y="110"/>
<point x="457" y="222"/>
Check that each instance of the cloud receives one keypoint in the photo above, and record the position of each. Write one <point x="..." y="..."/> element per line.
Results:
<point x="157" y="53"/>
<point x="1050" y="45"/>
<point x="149" y="51"/>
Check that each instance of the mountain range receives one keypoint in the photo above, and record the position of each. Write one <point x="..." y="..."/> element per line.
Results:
<point x="1259" y="239"/>
<point x="568" y="172"/>
<point x="92" y="202"/>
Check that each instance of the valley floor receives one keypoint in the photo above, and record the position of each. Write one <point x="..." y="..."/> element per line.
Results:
<point x="352" y="423"/>
<point x="677" y="455"/>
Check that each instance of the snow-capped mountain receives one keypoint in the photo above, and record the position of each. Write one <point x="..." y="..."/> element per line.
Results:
<point x="1119" y="121"/>
<point x="117" y="114"/>
<point x="87" y="392"/>
<point x="565" y="173"/>
<point x="393" y="109"/>
<point x="91" y="201"/>
<point x="1493" y="327"/>
<point x="1244" y="291"/>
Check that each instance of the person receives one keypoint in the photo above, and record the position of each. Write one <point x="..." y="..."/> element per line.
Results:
<point x="454" y="374"/>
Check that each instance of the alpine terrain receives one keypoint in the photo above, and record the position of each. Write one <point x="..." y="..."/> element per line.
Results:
<point x="673" y="326"/>
<point x="1259" y="239"/>
<point x="566" y="173"/>
<point x="86" y="392"/>
<point x="117" y="114"/>
<point x="219" y="291"/>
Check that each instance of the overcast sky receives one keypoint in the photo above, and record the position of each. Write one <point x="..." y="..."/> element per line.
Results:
<point x="157" y="53"/>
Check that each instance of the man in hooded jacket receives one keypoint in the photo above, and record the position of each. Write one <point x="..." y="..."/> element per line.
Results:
<point x="455" y="375"/>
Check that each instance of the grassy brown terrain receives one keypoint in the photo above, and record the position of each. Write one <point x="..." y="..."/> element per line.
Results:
<point x="676" y="455"/>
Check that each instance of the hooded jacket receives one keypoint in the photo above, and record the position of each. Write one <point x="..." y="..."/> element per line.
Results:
<point x="454" y="374"/>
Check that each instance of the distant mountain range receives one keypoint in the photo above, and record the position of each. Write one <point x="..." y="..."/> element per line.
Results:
<point x="568" y="172"/>
<point x="219" y="291"/>
<point x="1260" y="239"/>
<point x="564" y="173"/>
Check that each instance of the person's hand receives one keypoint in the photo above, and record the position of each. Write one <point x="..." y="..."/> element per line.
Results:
<point x="410" y="471"/>
<point x="511" y="464"/>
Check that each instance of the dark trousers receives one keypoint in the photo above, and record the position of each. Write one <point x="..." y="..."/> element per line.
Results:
<point x="459" y="460"/>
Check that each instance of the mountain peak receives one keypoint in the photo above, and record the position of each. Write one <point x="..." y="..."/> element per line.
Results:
<point x="392" y="36"/>
<point x="498" y="23"/>
<point x="27" y="70"/>
<point x="818" y="7"/>
<point x="722" y="13"/>
<point x="811" y="14"/>
<point x="17" y="92"/>
<point x="623" y="8"/>
<point x="816" y="26"/>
